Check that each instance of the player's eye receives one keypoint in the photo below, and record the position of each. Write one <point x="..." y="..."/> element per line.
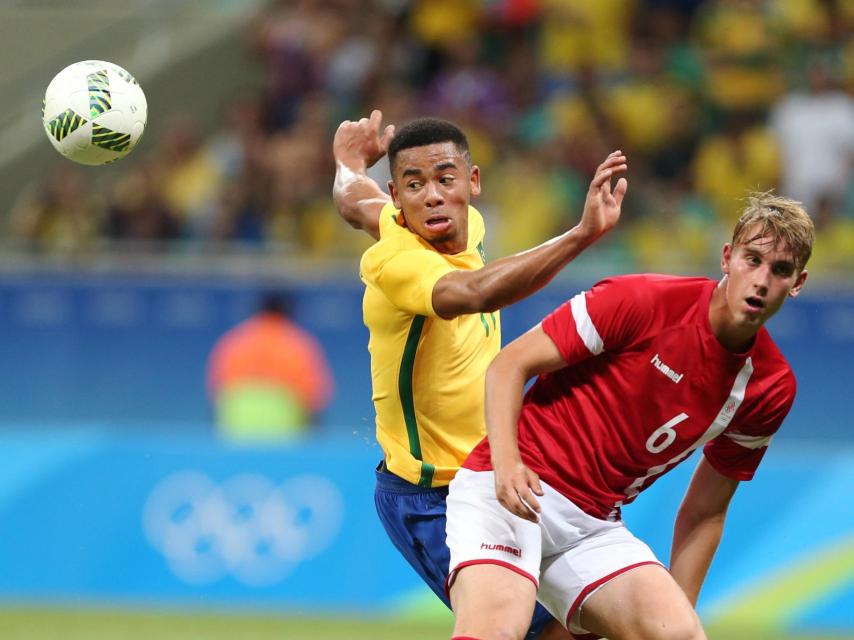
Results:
<point x="446" y="179"/>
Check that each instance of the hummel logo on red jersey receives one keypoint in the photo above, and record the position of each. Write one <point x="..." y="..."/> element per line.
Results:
<point x="670" y="373"/>
<point x="500" y="547"/>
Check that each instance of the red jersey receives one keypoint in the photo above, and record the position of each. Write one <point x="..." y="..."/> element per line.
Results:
<point x="647" y="383"/>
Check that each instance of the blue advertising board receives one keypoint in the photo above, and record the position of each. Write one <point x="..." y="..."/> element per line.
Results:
<point x="124" y="351"/>
<point x="96" y="517"/>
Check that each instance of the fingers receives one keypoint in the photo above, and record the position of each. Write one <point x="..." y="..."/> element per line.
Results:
<point x="614" y="163"/>
<point x="534" y="483"/>
<point x="532" y="506"/>
<point x="518" y="507"/>
<point x="518" y="495"/>
<point x="364" y="135"/>
<point x="620" y="190"/>
<point x="376" y="120"/>
<point x="373" y="123"/>
<point x="388" y="134"/>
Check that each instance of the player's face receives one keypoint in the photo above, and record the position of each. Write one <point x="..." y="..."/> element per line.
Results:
<point x="432" y="185"/>
<point x="760" y="275"/>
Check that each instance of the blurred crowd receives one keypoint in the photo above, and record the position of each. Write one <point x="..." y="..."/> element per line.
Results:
<point x="709" y="99"/>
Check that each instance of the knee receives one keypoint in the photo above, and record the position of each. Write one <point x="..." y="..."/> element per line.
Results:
<point x="682" y="627"/>
<point x="488" y="632"/>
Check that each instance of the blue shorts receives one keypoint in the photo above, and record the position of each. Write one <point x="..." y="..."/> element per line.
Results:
<point x="414" y="519"/>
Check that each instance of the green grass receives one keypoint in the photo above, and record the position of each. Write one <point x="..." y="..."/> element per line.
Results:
<point x="73" y="624"/>
<point x="80" y="624"/>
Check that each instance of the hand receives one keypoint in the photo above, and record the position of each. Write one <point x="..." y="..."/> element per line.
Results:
<point x="358" y="145"/>
<point x="516" y="488"/>
<point x="602" y="208"/>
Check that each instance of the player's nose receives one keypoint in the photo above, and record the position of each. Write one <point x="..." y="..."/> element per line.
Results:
<point x="432" y="196"/>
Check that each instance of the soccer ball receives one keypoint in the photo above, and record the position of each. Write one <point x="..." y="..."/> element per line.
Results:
<point x="94" y="112"/>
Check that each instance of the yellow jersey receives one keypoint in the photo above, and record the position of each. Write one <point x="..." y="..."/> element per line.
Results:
<point x="427" y="373"/>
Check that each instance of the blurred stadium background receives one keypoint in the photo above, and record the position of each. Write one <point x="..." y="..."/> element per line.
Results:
<point x="122" y="515"/>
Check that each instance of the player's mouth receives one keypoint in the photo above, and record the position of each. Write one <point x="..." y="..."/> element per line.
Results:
<point x="754" y="304"/>
<point x="438" y="223"/>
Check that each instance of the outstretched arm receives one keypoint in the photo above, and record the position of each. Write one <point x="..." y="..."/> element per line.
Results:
<point x="699" y="526"/>
<point x="356" y="147"/>
<point x="516" y="486"/>
<point x="510" y="279"/>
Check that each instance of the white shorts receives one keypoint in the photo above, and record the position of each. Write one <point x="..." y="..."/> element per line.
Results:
<point x="568" y="554"/>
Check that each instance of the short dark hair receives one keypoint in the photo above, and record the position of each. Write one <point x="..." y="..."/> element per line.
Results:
<point x="424" y="131"/>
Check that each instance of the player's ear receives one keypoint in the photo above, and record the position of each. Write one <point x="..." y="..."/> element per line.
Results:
<point x="394" y="195"/>
<point x="726" y="256"/>
<point x="799" y="284"/>
<point x="474" y="178"/>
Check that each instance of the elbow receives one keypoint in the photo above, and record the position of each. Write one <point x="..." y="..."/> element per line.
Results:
<point x="349" y="213"/>
<point x="352" y="219"/>
<point x="506" y="374"/>
<point x="497" y="371"/>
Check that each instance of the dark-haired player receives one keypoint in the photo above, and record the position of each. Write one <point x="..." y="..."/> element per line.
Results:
<point x="431" y="306"/>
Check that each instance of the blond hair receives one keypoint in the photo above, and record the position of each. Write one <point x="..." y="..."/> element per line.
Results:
<point x="782" y="219"/>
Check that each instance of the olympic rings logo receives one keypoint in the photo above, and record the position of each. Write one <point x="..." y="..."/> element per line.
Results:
<point x="246" y="527"/>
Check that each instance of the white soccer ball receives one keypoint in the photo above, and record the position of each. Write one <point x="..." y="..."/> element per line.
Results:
<point x="94" y="112"/>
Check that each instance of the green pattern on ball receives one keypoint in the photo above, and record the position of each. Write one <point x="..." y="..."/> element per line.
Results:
<point x="109" y="139"/>
<point x="65" y="123"/>
<point x="99" y="92"/>
<point x="125" y="75"/>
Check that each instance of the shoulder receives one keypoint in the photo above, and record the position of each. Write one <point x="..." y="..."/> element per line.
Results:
<point x="655" y="285"/>
<point x="652" y="291"/>
<point x="394" y="240"/>
<point x="771" y="390"/>
<point x="772" y="366"/>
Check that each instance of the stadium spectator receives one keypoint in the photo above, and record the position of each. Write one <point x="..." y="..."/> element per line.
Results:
<point x="743" y="156"/>
<point x="267" y="376"/>
<point x="742" y="50"/>
<point x="535" y="512"/>
<point x="686" y="87"/>
<point x="431" y="307"/>
<point x="137" y="209"/>
<point x="815" y="131"/>
<point x="56" y="214"/>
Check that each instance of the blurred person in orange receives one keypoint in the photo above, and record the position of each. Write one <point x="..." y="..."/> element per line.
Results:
<point x="268" y="377"/>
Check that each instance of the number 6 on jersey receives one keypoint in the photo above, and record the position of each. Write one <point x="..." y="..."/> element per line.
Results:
<point x="667" y="431"/>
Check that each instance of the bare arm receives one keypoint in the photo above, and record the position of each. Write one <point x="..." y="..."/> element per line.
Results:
<point x="699" y="526"/>
<point x="531" y="354"/>
<point x="356" y="147"/>
<point x="510" y="279"/>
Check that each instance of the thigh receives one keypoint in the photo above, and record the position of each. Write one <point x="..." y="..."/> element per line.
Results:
<point x="574" y="571"/>
<point x="415" y="523"/>
<point x="644" y="603"/>
<point x="481" y="531"/>
<point x="492" y="601"/>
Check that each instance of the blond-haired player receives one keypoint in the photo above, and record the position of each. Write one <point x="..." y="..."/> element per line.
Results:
<point x="634" y="375"/>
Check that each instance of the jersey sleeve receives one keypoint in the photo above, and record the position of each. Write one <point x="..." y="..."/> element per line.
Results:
<point x="737" y="452"/>
<point x="407" y="278"/>
<point x="613" y="314"/>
